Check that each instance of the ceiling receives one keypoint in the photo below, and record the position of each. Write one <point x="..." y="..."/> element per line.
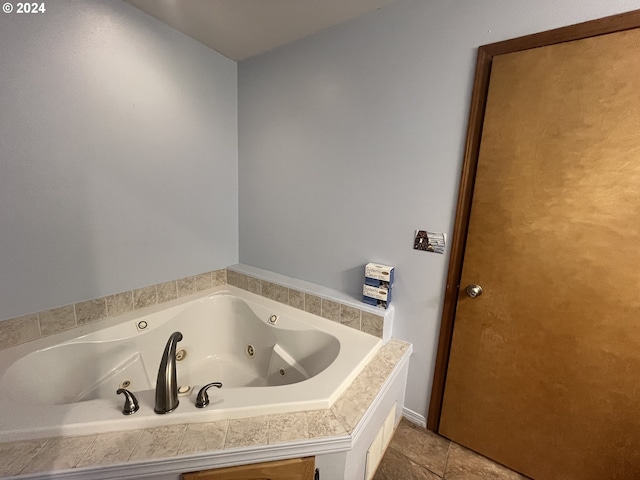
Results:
<point x="239" y="29"/>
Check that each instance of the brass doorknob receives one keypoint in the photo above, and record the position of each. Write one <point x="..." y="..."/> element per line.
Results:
<point x="474" y="290"/>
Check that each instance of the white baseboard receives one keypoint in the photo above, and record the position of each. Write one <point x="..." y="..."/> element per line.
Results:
<point x="414" y="417"/>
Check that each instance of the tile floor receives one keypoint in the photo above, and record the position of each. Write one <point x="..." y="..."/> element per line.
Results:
<point x="418" y="454"/>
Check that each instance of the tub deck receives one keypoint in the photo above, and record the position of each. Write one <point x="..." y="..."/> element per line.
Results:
<point x="174" y="449"/>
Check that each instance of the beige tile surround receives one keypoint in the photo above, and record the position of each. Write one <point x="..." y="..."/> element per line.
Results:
<point x="25" y="328"/>
<point x="332" y="310"/>
<point x="51" y="454"/>
<point x="29" y="327"/>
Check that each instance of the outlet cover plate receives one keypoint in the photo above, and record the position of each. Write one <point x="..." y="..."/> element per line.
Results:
<point x="429" y="241"/>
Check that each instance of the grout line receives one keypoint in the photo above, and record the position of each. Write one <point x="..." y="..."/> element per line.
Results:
<point x="86" y="452"/>
<point x="35" y="454"/>
<point x="419" y="465"/>
<point x="226" y="431"/>
<point x="446" y="464"/>
<point x="184" y="434"/>
<point x="135" y="445"/>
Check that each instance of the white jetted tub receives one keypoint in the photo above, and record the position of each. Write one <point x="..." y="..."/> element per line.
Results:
<point x="301" y="362"/>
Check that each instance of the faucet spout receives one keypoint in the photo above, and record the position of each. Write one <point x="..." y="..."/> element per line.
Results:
<point x="167" y="383"/>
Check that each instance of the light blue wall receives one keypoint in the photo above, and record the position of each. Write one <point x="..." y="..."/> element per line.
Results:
<point x="118" y="155"/>
<point x="351" y="139"/>
<point x="119" y="151"/>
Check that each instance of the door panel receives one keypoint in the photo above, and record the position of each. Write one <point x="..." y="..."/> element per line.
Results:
<point x="544" y="372"/>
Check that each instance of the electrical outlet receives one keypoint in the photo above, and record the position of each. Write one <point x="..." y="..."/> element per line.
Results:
<point x="429" y="241"/>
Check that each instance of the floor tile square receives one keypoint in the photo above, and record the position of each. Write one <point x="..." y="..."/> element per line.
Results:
<point x="422" y="446"/>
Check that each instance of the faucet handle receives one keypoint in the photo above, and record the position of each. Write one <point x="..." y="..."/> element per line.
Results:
<point x="130" y="403"/>
<point x="203" y="398"/>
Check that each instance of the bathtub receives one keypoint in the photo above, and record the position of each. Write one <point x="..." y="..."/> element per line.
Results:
<point x="270" y="358"/>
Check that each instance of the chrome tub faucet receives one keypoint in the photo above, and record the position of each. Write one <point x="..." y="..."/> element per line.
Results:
<point x="131" y="404"/>
<point x="167" y="383"/>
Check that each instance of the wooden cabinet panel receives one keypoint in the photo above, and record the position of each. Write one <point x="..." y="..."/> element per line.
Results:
<point x="292" y="469"/>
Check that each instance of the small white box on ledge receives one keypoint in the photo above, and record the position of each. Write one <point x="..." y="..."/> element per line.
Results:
<point x="378" y="282"/>
<point x="378" y="275"/>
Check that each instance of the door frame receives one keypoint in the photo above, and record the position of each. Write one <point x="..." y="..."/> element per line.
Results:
<point x="602" y="26"/>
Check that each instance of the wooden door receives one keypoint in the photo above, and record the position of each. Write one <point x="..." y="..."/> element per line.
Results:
<point x="292" y="469"/>
<point x="544" y="367"/>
